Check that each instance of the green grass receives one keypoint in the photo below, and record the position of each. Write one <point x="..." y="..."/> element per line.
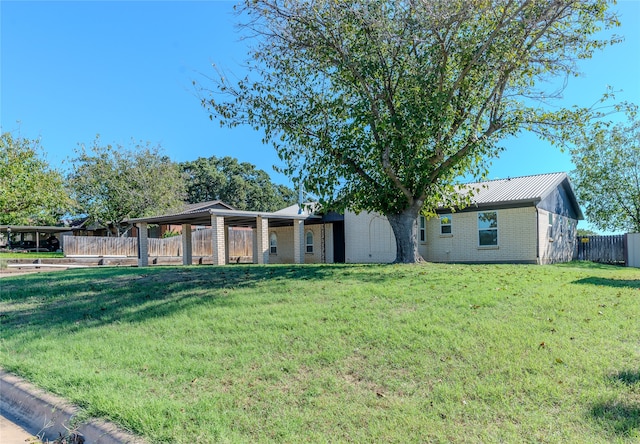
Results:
<point x="429" y="353"/>
<point x="20" y="255"/>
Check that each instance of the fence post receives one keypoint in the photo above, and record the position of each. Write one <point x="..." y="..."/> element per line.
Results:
<point x="633" y="250"/>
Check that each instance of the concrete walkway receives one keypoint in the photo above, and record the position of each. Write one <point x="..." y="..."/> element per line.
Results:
<point x="28" y="411"/>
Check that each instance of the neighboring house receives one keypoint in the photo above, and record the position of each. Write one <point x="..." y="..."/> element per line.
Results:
<point x="529" y="219"/>
<point x="35" y="238"/>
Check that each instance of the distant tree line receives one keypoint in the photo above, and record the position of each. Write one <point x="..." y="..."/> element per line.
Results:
<point x="111" y="183"/>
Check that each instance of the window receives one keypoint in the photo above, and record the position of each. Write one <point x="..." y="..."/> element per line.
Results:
<point x="550" y="226"/>
<point x="422" y="227"/>
<point x="488" y="228"/>
<point x="445" y="224"/>
<point x="273" y="243"/>
<point x="309" y="241"/>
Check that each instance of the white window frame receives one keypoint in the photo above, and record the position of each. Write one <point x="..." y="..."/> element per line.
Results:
<point x="422" y="229"/>
<point x="273" y="243"/>
<point x="443" y="226"/>
<point x="308" y="245"/>
<point x="496" y="228"/>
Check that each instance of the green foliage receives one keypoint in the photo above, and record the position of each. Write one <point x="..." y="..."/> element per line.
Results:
<point x="607" y="175"/>
<point x="434" y="353"/>
<point x="240" y="185"/>
<point x="380" y="106"/>
<point x="170" y="233"/>
<point x="114" y="183"/>
<point x="585" y="232"/>
<point x="31" y="192"/>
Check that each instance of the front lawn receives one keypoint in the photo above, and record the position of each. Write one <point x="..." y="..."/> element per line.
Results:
<point x="365" y="353"/>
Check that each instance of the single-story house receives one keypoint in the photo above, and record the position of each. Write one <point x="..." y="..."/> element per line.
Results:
<point x="529" y="219"/>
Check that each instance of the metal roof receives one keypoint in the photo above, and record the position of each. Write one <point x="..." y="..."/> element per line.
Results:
<point x="238" y="218"/>
<point x="514" y="189"/>
<point x="34" y="229"/>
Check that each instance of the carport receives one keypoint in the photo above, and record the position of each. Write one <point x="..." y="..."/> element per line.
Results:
<point x="220" y="219"/>
<point x="21" y="230"/>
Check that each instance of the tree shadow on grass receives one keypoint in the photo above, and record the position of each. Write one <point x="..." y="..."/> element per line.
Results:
<point x="629" y="378"/>
<point x="618" y="417"/>
<point x="622" y="418"/>
<point x="76" y="299"/>
<point x="588" y="265"/>
<point x="618" y="283"/>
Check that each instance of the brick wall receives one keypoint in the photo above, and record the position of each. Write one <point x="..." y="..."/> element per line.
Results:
<point x="285" y="251"/>
<point x="516" y="238"/>
<point x="368" y="238"/>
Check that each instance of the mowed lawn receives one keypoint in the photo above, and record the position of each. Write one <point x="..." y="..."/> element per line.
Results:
<point x="362" y="353"/>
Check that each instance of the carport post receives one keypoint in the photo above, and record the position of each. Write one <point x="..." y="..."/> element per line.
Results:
<point x="143" y="245"/>
<point x="298" y="241"/>
<point x="262" y="234"/>
<point x="217" y="240"/>
<point x="187" y="246"/>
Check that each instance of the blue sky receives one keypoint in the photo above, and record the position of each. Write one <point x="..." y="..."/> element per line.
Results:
<point x="124" y="70"/>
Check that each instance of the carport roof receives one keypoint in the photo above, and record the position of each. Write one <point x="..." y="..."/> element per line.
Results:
<point x="235" y="218"/>
<point x="34" y="229"/>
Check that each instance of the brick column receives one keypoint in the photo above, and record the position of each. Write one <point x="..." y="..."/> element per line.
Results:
<point x="298" y="241"/>
<point x="217" y="240"/>
<point x="262" y="232"/>
<point x="187" y="245"/>
<point x="143" y="245"/>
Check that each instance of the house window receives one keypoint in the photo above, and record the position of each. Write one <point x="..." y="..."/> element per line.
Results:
<point x="488" y="228"/>
<point x="273" y="243"/>
<point x="309" y="241"/>
<point x="445" y="224"/>
<point x="551" y="226"/>
<point x="422" y="227"/>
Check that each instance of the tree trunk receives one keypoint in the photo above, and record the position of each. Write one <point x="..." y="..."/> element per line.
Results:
<point x="405" y="230"/>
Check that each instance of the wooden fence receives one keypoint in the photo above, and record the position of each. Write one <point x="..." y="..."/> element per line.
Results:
<point x="603" y="249"/>
<point x="240" y="245"/>
<point x="100" y="246"/>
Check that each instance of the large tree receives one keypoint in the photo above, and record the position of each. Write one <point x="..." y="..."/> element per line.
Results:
<point x="113" y="183"/>
<point x="31" y="192"/>
<point x="607" y="174"/>
<point x="380" y="105"/>
<point x="240" y="185"/>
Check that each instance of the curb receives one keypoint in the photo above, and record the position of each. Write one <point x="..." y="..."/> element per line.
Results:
<point x="50" y="417"/>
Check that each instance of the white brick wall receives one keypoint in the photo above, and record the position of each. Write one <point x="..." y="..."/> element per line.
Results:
<point x="368" y="238"/>
<point x="218" y="240"/>
<point x="516" y="238"/>
<point x="285" y="254"/>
